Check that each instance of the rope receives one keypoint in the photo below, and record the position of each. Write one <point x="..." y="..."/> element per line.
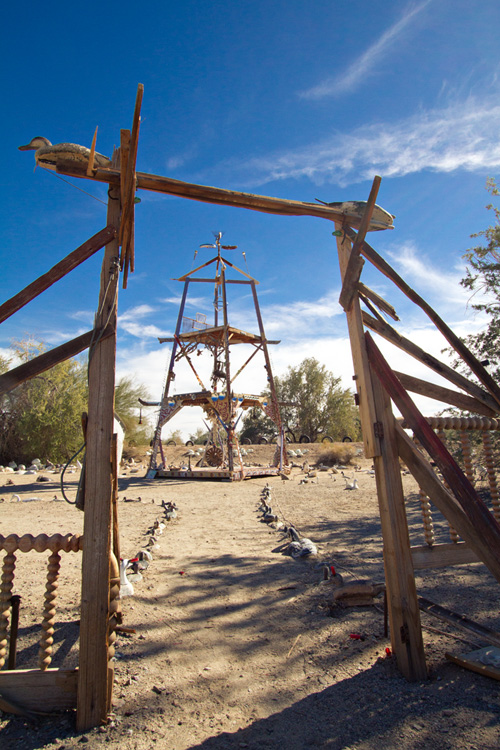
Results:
<point x="72" y="502"/>
<point x="93" y="343"/>
<point x="75" y="186"/>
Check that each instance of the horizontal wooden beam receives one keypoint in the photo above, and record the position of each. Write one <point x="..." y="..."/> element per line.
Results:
<point x="455" y="342"/>
<point x="446" y="395"/>
<point x="42" y="363"/>
<point x="408" y="346"/>
<point x="444" y="501"/>
<point x="207" y="194"/>
<point x="44" y="691"/>
<point x="442" y="555"/>
<point x="57" y="272"/>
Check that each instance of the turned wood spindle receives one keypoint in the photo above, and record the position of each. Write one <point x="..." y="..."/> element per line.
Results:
<point x="453" y="534"/>
<point x="492" y="477"/>
<point x="8" y="568"/>
<point x="467" y="455"/>
<point x="114" y="603"/>
<point x="425" y="507"/>
<point x="49" y="611"/>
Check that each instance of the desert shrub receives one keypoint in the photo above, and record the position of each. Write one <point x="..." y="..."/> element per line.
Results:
<point x="337" y="453"/>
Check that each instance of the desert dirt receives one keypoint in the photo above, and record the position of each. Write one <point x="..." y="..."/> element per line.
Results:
<point x="238" y="645"/>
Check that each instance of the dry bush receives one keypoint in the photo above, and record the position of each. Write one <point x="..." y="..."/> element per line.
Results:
<point x="337" y="453"/>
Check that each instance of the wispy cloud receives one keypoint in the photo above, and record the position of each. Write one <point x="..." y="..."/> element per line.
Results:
<point x="191" y="301"/>
<point x="132" y="321"/>
<point x="364" y="64"/>
<point x="140" y="311"/>
<point x="134" y="328"/>
<point x="418" y="269"/>
<point x="300" y="319"/>
<point x="463" y="135"/>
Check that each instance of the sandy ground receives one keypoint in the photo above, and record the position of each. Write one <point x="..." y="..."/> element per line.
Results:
<point x="238" y="645"/>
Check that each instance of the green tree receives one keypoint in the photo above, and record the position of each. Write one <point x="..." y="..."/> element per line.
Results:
<point x="200" y="436"/>
<point x="176" y="436"/>
<point x="127" y="407"/>
<point x="41" y="418"/>
<point x="313" y="404"/>
<point x="255" y="425"/>
<point x="483" y="280"/>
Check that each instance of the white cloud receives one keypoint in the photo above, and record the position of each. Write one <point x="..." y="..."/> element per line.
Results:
<point x="190" y="302"/>
<point x="358" y="71"/>
<point x="139" y="311"/>
<point x="463" y="135"/>
<point x="86" y="316"/>
<point x="140" y="330"/>
<point x="417" y="269"/>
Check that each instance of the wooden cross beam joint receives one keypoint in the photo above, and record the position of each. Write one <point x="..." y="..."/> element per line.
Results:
<point x="355" y="264"/>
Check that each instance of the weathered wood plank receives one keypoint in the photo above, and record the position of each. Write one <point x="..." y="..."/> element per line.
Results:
<point x="445" y="501"/>
<point x="124" y="153"/>
<point x="360" y="359"/>
<point x="44" y="691"/>
<point x="475" y="365"/>
<point x="446" y="395"/>
<point x="377" y="300"/>
<point x="473" y="507"/>
<point x="90" y="165"/>
<point x="355" y="264"/>
<point x="402" y="603"/>
<point x="474" y="666"/>
<point x="128" y="205"/>
<point x="408" y="346"/>
<point x="42" y="363"/>
<point x="456" y="619"/>
<point x="57" y="272"/>
<point x="94" y="673"/>
<point x="442" y="555"/>
<point x="207" y="194"/>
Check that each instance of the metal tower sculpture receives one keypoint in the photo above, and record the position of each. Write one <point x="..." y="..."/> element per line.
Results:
<point x="222" y="405"/>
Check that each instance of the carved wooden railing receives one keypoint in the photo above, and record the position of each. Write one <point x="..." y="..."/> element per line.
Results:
<point x="23" y="689"/>
<point x="444" y="554"/>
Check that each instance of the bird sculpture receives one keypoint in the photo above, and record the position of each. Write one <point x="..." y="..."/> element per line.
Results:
<point x="381" y="219"/>
<point x="126" y="588"/>
<point x="170" y="510"/>
<point x="47" y="154"/>
<point x="269" y="516"/>
<point x="300" y="546"/>
<point x="351" y="484"/>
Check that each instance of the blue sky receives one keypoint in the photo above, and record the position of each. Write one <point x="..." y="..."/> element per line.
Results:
<point x="289" y="99"/>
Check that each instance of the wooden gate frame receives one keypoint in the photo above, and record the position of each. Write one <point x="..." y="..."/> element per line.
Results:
<point x="377" y="386"/>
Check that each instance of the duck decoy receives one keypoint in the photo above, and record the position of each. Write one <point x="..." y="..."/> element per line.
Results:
<point x="381" y="219"/>
<point x="300" y="546"/>
<point x="47" y="154"/>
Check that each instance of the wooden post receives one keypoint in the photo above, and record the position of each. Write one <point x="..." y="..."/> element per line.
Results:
<point x="93" y="676"/>
<point x="359" y="357"/>
<point x="402" y="600"/>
